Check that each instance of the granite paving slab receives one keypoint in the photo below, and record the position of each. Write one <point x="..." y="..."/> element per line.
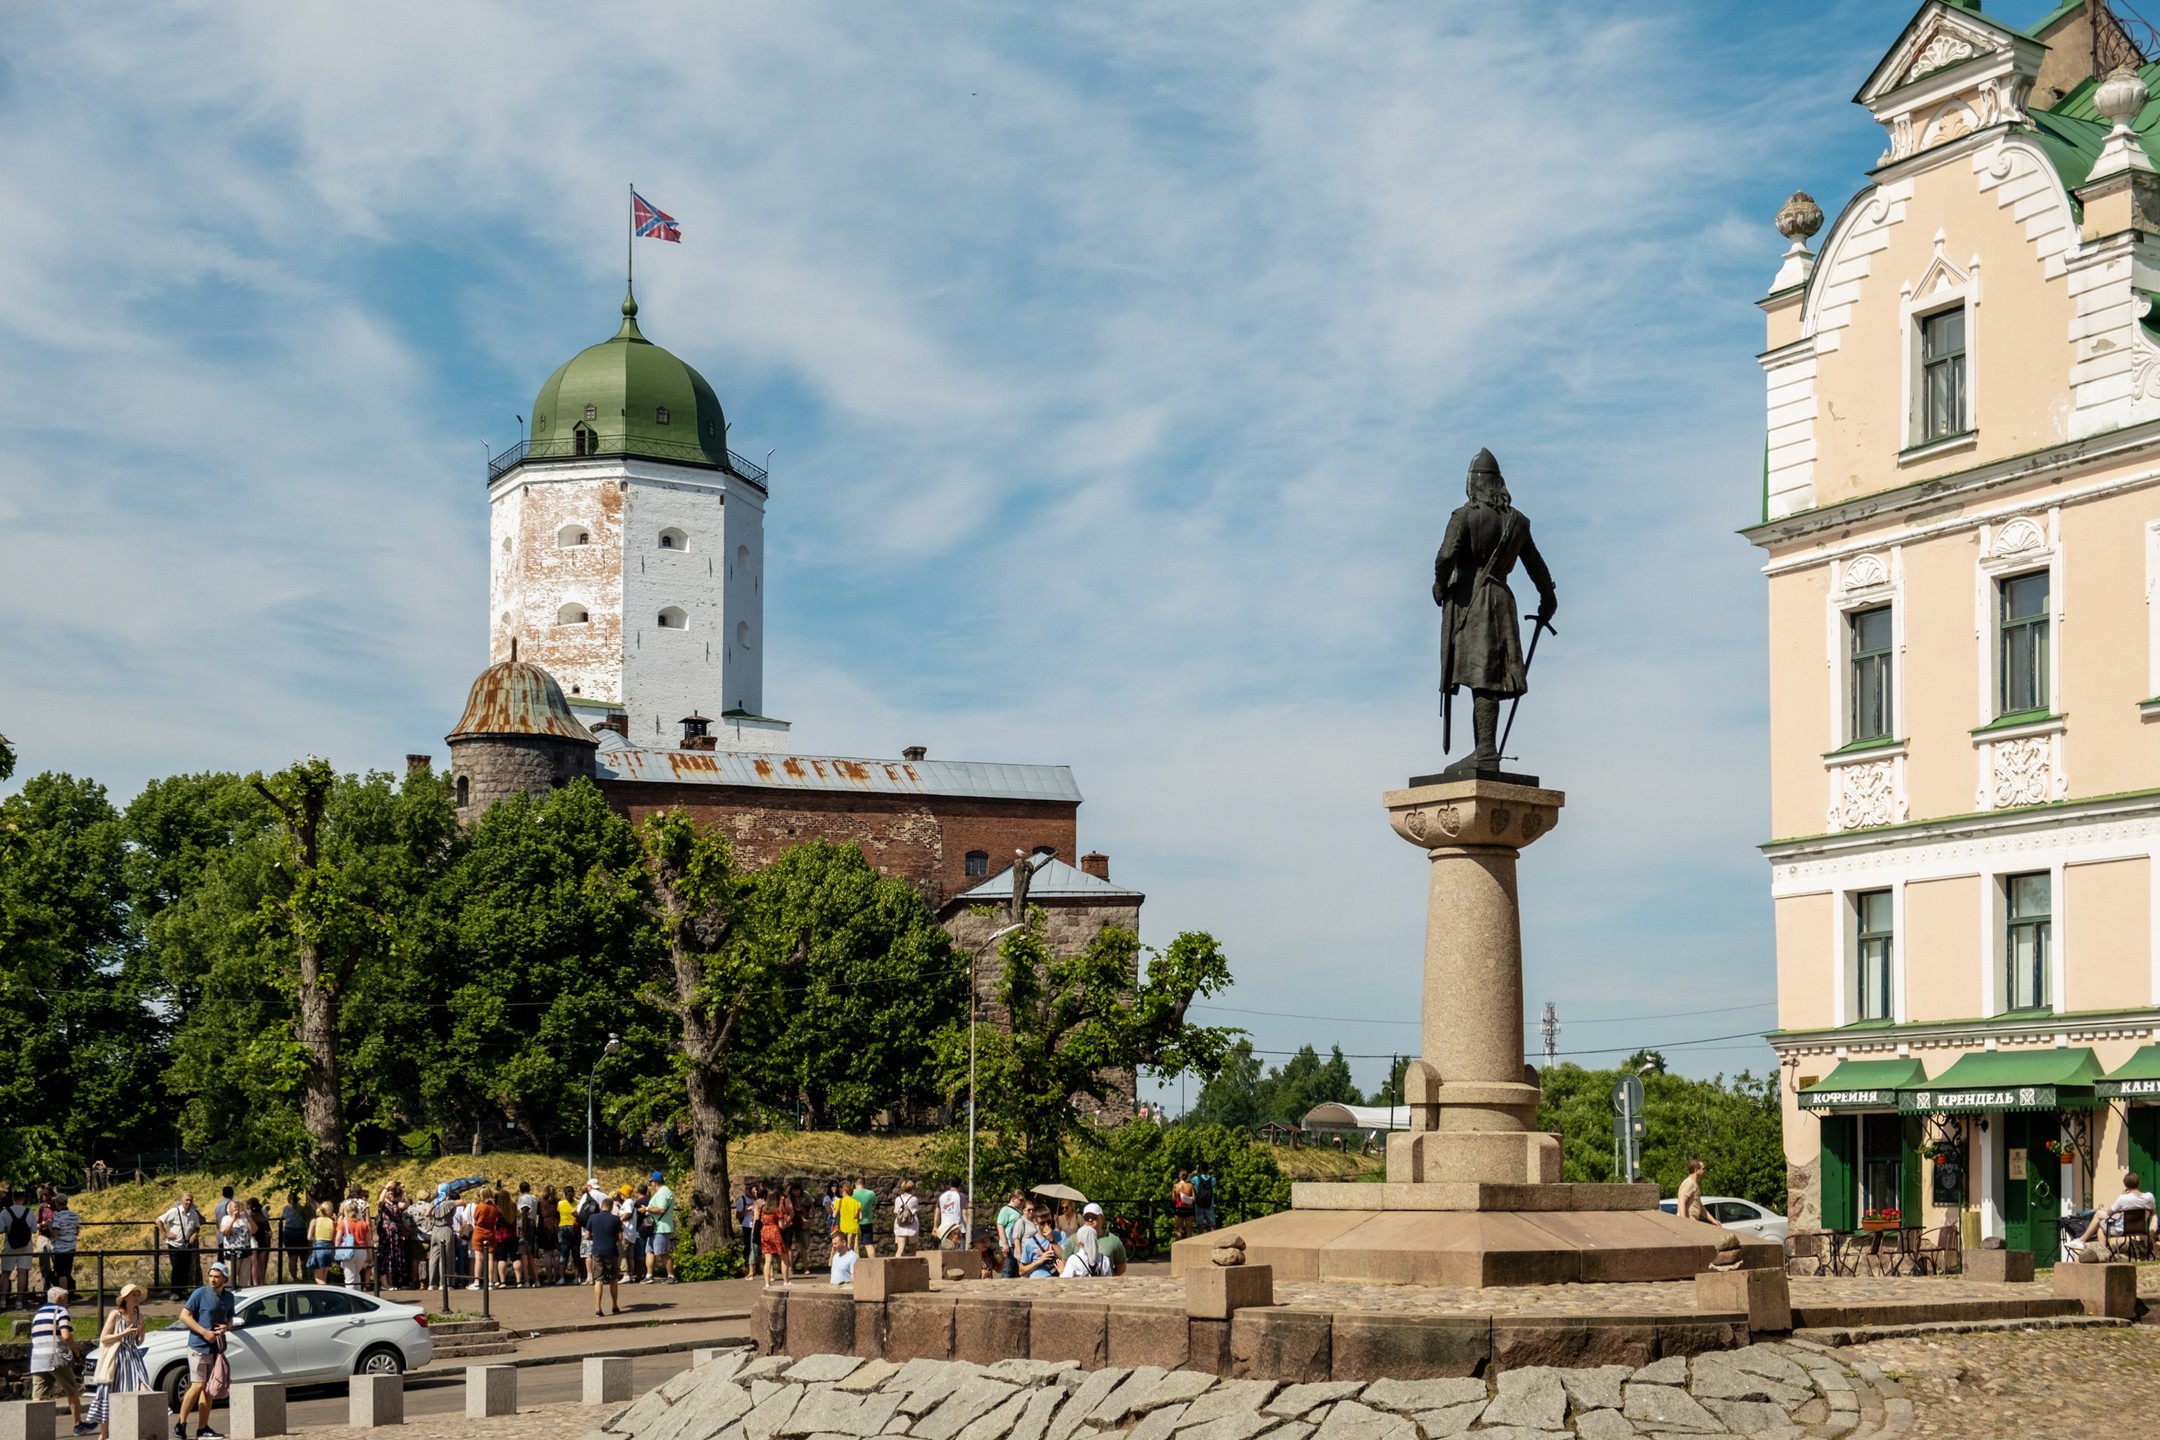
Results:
<point x="1777" y="1391"/>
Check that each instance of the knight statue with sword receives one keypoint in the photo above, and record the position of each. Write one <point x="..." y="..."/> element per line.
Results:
<point x="1481" y="642"/>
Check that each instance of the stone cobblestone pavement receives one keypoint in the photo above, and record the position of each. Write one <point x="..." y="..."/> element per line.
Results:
<point x="1764" y="1392"/>
<point x="2046" y="1385"/>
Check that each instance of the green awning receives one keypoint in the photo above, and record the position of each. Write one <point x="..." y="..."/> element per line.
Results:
<point x="1863" y="1085"/>
<point x="2008" y="1080"/>
<point x="2137" y="1078"/>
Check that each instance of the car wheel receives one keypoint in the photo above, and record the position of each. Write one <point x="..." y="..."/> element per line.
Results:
<point x="173" y="1382"/>
<point x="381" y="1360"/>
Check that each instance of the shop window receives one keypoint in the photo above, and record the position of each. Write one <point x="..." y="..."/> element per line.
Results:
<point x="1872" y="910"/>
<point x="2029" y="902"/>
<point x="1871" y="678"/>
<point x="2022" y="608"/>
<point x="1942" y="375"/>
<point x="978" y="862"/>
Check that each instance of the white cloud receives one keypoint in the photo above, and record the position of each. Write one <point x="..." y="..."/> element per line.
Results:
<point x="1122" y="362"/>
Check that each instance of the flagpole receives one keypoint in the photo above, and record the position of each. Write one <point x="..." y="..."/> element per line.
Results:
<point x="630" y="242"/>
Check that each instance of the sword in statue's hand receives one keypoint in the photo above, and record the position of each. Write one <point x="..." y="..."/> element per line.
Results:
<point x="1529" y="655"/>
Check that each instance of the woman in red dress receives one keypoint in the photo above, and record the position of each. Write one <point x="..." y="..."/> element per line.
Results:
<point x="774" y="1215"/>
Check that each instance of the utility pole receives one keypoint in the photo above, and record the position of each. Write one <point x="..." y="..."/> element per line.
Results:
<point x="1551" y="1025"/>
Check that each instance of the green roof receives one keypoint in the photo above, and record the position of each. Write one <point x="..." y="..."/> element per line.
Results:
<point x="1863" y="1085"/>
<point x="2008" y="1080"/>
<point x="631" y="398"/>
<point x="2136" y="1078"/>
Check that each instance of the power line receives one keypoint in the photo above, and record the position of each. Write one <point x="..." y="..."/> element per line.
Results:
<point x="1565" y="1054"/>
<point x="1364" y="1020"/>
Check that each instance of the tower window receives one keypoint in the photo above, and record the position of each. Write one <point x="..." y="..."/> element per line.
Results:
<point x="674" y="618"/>
<point x="592" y="412"/>
<point x="659" y="414"/>
<point x="673" y="539"/>
<point x="588" y="439"/>
<point x="572" y="614"/>
<point x="742" y="634"/>
<point x="978" y="862"/>
<point x="464" y="791"/>
<point x="573" y="535"/>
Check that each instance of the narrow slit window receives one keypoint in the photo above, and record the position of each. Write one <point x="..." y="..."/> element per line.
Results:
<point x="1942" y="375"/>
<point x="2024" y="645"/>
<point x="1871" y="674"/>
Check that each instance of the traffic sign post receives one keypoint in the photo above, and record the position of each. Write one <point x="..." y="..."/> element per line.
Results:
<point x="1627" y="1099"/>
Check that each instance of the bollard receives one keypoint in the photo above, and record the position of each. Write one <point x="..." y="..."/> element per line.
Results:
<point x="33" y="1419"/>
<point x="376" y="1400"/>
<point x="490" y="1390"/>
<point x="607" y="1378"/>
<point x="138" y="1414"/>
<point x="258" y="1411"/>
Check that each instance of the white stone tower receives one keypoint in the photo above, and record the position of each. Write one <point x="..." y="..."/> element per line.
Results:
<point x="627" y="548"/>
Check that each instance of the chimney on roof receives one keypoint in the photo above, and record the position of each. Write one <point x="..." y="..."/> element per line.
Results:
<point x="1097" y="864"/>
<point x="915" y="752"/>
<point x="697" y="733"/>
<point x="419" y="764"/>
<point x="617" y="721"/>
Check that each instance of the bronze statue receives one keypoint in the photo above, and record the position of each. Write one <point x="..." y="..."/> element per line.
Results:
<point x="1481" y="643"/>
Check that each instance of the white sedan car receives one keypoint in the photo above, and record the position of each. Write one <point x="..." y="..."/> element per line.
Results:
<point x="301" y="1335"/>
<point x="1742" y="1215"/>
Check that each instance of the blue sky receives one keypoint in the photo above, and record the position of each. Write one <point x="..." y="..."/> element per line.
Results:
<point x="1121" y="363"/>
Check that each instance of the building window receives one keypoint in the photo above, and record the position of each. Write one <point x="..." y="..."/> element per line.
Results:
<point x="659" y="414"/>
<point x="1942" y="375"/>
<point x="1871" y="674"/>
<point x="2024" y="651"/>
<point x="1872" y="909"/>
<point x="2031" y="925"/>
<point x="464" y="791"/>
<point x="978" y="862"/>
<point x="674" y="618"/>
<point x="588" y="439"/>
<point x="674" y="540"/>
<point x="573" y="535"/>
<point x="592" y="412"/>
<point x="572" y="614"/>
<point x="742" y="634"/>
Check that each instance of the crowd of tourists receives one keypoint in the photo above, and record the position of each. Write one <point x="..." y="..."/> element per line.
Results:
<point x="1032" y="1236"/>
<point x="471" y="1232"/>
<point x="38" y="1238"/>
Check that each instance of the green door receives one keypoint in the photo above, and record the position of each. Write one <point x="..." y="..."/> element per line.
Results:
<point x="2145" y="1143"/>
<point x="2031" y="1206"/>
<point x="1840" y="1172"/>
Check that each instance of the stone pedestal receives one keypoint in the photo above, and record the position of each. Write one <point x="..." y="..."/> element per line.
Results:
<point x="373" y="1401"/>
<point x="1997" y="1266"/>
<point x="1473" y="1108"/>
<point x="26" y="1420"/>
<point x="258" y="1411"/>
<point x="607" y="1379"/>
<point x="1473" y="1193"/>
<point x="138" y="1415"/>
<point x="490" y="1390"/>
<point x="2106" y="1289"/>
<point x="1764" y="1296"/>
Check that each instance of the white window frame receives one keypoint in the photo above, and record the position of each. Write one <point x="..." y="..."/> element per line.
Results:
<point x="1845" y="962"/>
<point x="1854" y="588"/>
<point x="1941" y="287"/>
<point x="1996" y="940"/>
<point x="1997" y="564"/>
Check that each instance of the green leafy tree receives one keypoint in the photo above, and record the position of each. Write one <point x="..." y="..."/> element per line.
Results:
<point x="1137" y="1163"/>
<point x="1735" y="1128"/>
<point x="79" y="1051"/>
<point x="1232" y="1098"/>
<point x="536" y="951"/>
<point x="1082" y="1026"/>
<point x="850" y="1033"/>
<point x="1304" y="1080"/>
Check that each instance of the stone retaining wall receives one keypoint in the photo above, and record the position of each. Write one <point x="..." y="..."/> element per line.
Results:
<point x="1292" y="1344"/>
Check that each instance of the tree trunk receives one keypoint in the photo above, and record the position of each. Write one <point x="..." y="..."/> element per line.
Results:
<point x="704" y="1046"/>
<point x="322" y="1103"/>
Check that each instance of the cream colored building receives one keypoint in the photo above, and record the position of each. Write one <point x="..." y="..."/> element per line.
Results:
<point x="1961" y="533"/>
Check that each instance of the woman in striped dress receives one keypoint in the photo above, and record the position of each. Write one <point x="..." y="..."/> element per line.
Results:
<point x="120" y="1358"/>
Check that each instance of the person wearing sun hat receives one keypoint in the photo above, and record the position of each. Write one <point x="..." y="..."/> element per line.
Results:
<point x="120" y="1358"/>
<point x="660" y="1206"/>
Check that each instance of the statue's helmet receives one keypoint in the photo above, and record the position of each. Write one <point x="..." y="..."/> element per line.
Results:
<point x="1485" y="484"/>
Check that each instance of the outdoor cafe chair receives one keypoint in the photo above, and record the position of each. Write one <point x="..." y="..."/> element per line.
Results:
<point x="1944" y="1253"/>
<point x="1808" y="1252"/>
<point x="2136" y="1241"/>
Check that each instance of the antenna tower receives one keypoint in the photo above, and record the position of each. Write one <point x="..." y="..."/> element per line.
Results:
<point x="1551" y="1027"/>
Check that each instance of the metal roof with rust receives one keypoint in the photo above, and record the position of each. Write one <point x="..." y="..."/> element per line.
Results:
<point x="973" y="779"/>
<point x="516" y="698"/>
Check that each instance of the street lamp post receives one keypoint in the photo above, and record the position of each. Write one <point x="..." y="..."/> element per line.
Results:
<point x="967" y="1216"/>
<point x="614" y="1043"/>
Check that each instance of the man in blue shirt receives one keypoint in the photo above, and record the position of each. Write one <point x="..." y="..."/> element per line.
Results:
<point x="606" y="1228"/>
<point x="208" y="1314"/>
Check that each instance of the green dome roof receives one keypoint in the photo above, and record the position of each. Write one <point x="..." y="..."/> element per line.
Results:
<point x="628" y="397"/>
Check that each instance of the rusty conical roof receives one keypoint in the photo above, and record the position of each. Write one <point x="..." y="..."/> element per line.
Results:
<point x="516" y="698"/>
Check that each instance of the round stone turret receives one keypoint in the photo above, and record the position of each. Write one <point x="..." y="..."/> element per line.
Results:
<point x="517" y="736"/>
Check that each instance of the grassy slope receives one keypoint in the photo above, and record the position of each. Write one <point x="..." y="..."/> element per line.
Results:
<point x="809" y="1153"/>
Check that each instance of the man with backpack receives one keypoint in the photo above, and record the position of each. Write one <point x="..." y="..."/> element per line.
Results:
<point x="1203" y="1188"/>
<point x="18" y="1232"/>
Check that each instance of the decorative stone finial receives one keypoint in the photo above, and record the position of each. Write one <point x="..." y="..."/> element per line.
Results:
<point x="2122" y="97"/>
<point x="1799" y="218"/>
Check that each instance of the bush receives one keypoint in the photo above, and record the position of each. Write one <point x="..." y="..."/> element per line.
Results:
<point x="725" y="1263"/>
<point x="1138" y="1163"/>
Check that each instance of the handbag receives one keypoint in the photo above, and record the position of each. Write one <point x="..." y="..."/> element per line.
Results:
<point x="219" y="1385"/>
